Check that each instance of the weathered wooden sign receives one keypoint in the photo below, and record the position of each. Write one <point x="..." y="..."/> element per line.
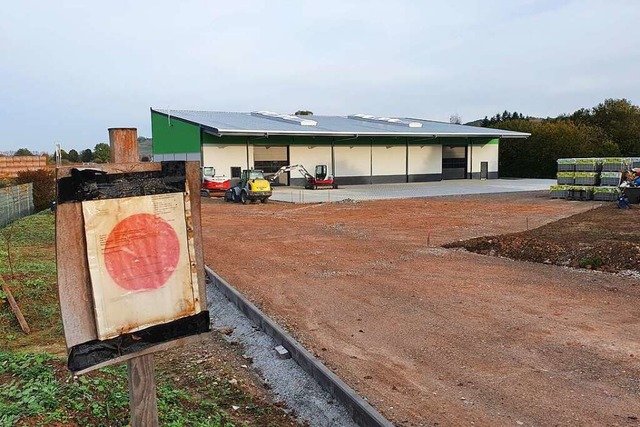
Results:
<point x="129" y="256"/>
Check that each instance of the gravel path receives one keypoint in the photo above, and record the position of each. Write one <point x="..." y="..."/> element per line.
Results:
<point x="285" y="378"/>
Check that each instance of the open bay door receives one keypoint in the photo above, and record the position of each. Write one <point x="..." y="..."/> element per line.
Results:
<point x="271" y="158"/>
<point x="454" y="162"/>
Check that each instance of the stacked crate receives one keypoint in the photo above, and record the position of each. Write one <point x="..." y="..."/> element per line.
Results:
<point x="566" y="178"/>
<point x="614" y="164"/>
<point x="606" y="194"/>
<point x="559" y="191"/>
<point x="586" y="178"/>
<point x="580" y="192"/>
<point x="610" y="179"/>
<point x="591" y="178"/>
<point x="588" y="165"/>
<point x="566" y="165"/>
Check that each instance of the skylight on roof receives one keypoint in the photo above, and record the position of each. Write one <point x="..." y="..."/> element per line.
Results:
<point x="385" y="120"/>
<point x="288" y="118"/>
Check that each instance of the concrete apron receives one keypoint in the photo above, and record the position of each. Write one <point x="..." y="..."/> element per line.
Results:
<point x="409" y="190"/>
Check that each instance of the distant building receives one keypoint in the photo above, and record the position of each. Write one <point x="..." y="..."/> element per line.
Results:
<point x="358" y="149"/>
<point x="11" y="165"/>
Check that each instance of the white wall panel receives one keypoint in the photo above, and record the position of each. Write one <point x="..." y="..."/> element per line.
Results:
<point x="425" y="159"/>
<point x="310" y="157"/>
<point x="353" y="161"/>
<point x="222" y="157"/>
<point x="483" y="153"/>
<point x="389" y="160"/>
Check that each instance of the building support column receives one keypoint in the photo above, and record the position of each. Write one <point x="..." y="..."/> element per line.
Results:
<point x="406" y="152"/>
<point x="470" y="158"/>
<point x="333" y="160"/>
<point x="248" y="153"/>
<point x="370" y="161"/>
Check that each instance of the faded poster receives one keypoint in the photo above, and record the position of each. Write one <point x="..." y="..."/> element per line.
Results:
<point x="140" y="260"/>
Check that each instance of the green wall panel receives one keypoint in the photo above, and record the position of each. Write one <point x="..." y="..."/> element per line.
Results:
<point x="175" y="137"/>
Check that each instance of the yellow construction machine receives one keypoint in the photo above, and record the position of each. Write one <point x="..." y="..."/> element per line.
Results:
<point x="252" y="187"/>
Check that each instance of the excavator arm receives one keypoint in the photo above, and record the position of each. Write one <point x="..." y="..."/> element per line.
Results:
<point x="303" y="171"/>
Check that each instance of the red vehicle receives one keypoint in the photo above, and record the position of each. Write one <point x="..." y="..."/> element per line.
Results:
<point x="213" y="185"/>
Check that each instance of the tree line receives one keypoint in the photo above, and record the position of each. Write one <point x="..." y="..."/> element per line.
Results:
<point x="610" y="129"/>
<point x="101" y="153"/>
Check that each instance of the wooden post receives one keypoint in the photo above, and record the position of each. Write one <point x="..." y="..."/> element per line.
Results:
<point x="124" y="145"/>
<point x="143" y="408"/>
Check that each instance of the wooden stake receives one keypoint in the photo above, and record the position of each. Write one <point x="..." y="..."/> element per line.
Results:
<point x="143" y="408"/>
<point x="14" y="307"/>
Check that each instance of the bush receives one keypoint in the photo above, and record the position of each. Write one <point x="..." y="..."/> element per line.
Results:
<point x="6" y="182"/>
<point x="591" y="261"/>
<point x="44" y="187"/>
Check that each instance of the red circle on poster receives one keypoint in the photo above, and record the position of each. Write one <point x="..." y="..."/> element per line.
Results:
<point x="142" y="252"/>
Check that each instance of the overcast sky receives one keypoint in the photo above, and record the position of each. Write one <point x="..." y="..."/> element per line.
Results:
<point x="71" y="69"/>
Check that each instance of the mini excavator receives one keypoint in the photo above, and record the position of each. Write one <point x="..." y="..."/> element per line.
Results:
<point x="320" y="180"/>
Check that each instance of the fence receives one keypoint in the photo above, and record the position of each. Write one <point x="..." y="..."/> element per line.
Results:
<point x="15" y="202"/>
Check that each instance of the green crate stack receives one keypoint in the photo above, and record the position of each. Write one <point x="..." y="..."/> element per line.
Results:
<point x="591" y="178"/>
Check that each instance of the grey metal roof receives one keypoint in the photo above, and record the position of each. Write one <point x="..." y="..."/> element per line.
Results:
<point x="229" y="123"/>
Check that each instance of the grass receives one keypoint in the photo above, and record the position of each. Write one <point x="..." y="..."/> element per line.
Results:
<point x="36" y="389"/>
<point x="33" y="284"/>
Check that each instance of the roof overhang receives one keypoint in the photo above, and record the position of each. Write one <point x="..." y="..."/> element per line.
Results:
<point x="263" y="132"/>
<point x="310" y="131"/>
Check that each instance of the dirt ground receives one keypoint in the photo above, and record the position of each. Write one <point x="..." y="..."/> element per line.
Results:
<point x="605" y="239"/>
<point x="435" y="336"/>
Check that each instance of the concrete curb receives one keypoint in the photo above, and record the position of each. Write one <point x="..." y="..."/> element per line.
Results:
<point x="359" y="409"/>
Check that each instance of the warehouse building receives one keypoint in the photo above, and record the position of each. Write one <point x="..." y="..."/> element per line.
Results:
<point x="357" y="149"/>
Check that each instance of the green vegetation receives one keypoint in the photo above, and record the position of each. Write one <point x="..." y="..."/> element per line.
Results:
<point x="36" y="389"/>
<point x="101" y="153"/>
<point x="86" y="155"/>
<point x="23" y="152"/>
<point x="44" y="187"/>
<point x="28" y="266"/>
<point x="594" y="262"/>
<point x="610" y="129"/>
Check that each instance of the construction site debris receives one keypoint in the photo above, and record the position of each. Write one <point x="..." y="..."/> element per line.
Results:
<point x="282" y="352"/>
<point x="348" y="201"/>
